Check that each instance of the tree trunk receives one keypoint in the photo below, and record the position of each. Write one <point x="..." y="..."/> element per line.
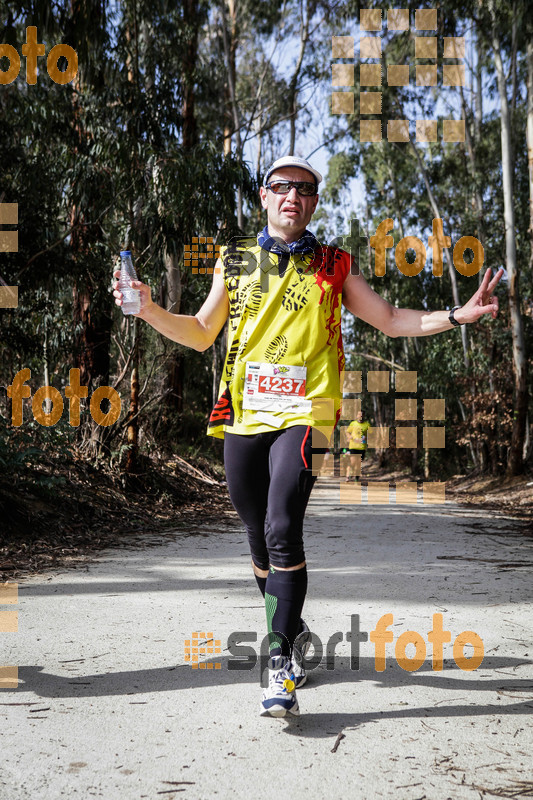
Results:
<point x="515" y="463"/>
<point x="133" y="235"/>
<point x="230" y="49"/>
<point x="190" y="16"/>
<point x="93" y="321"/>
<point x="259" y="135"/>
<point x="449" y="262"/>
<point x="529" y="137"/>
<point x="307" y="11"/>
<point x="172" y="302"/>
<point x="94" y="339"/>
<point x="230" y="53"/>
<point x="46" y="371"/>
<point x="173" y="285"/>
<point x="132" y="430"/>
<point x="394" y="183"/>
<point x="478" y="105"/>
<point x="514" y="53"/>
<point x="92" y="316"/>
<point x="476" y="182"/>
<point x="93" y="342"/>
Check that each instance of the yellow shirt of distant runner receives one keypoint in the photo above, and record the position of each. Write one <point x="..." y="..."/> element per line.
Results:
<point x="357" y="432"/>
<point x="283" y="309"/>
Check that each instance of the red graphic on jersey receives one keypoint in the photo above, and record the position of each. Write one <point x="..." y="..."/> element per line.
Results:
<point x="223" y="412"/>
<point x="330" y="267"/>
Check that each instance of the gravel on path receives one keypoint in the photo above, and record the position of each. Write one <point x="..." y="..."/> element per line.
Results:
<point x="108" y="706"/>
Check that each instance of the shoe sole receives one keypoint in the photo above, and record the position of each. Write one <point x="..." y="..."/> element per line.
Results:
<point x="279" y="711"/>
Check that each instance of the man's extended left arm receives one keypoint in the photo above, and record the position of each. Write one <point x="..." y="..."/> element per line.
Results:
<point x="366" y="304"/>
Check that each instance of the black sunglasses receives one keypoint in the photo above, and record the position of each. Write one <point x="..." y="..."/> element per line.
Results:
<point x="304" y="188"/>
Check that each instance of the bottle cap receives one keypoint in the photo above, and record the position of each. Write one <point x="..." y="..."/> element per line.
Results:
<point x="125" y="253"/>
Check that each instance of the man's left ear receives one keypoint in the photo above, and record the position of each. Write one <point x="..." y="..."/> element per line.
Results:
<point x="262" y="195"/>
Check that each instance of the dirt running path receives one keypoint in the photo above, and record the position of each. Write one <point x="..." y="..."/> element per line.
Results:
<point x="108" y="707"/>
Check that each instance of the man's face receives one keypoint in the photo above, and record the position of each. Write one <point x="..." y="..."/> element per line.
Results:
<point x="288" y="214"/>
<point x="359" y="416"/>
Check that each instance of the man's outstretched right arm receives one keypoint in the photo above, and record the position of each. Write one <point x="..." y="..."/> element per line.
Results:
<point x="198" y="332"/>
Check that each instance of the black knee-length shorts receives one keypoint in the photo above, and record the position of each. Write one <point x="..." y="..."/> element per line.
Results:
<point x="270" y="478"/>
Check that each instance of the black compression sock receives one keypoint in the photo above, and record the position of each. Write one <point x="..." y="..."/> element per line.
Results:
<point x="284" y="599"/>
<point x="261" y="582"/>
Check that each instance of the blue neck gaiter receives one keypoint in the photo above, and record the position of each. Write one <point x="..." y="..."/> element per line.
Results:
<point x="307" y="243"/>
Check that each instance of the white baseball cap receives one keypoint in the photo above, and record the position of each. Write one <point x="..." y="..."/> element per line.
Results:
<point x="292" y="161"/>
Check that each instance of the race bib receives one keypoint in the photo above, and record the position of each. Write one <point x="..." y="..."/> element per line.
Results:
<point x="275" y="387"/>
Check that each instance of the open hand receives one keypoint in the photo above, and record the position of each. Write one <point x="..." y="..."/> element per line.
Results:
<point x="483" y="301"/>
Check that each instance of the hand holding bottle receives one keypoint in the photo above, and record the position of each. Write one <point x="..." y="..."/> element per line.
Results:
<point x="130" y="294"/>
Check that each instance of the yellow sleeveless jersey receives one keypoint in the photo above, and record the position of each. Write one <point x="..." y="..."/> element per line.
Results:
<point x="357" y="433"/>
<point x="285" y="310"/>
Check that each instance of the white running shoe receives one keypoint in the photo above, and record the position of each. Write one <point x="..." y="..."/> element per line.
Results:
<point x="279" y="698"/>
<point x="301" y="645"/>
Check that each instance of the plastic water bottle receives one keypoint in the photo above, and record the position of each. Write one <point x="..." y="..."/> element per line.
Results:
<point x="131" y="298"/>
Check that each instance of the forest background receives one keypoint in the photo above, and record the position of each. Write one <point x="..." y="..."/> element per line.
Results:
<point x="176" y="110"/>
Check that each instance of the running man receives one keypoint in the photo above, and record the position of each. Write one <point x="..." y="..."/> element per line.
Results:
<point x="357" y="433"/>
<point x="281" y="294"/>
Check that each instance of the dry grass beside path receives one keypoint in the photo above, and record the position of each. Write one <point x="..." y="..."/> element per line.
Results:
<point x="513" y="496"/>
<point x="63" y="511"/>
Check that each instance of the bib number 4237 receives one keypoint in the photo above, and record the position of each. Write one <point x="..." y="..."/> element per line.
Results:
<point x="294" y="386"/>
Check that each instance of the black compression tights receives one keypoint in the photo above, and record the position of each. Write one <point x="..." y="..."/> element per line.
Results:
<point x="269" y="480"/>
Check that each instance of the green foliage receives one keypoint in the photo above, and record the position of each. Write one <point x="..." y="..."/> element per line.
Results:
<point x="101" y="164"/>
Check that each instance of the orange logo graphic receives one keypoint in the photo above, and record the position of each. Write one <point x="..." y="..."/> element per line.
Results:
<point x="371" y="74"/>
<point x="8" y="624"/>
<point x="193" y="253"/>
<point x="201" y="645"/>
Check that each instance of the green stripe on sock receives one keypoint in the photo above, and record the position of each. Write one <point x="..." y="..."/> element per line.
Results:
<point x="271" y="603"/>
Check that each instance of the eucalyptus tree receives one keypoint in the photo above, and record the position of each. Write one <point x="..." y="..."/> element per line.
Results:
<point x="503" y="18"/>
<point x="461" y="183"/>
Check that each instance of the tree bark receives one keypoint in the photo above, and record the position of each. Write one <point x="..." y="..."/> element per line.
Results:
<point x="190" y="17"/>
<point x="449" y="262"/>
<point x="529" y="137"/>
<point x="133" y="236"/>
<point x="173" y="285"/>
<point x="478" y="200"/>
<point x="478" y="106"/>
<point x="515" y="464"/>
<point x="230" y="49"/>
<point x="94" y="322"/>
<point x="230" y="52"/>
<point x="132" y="430"/>
<point x="307" y="11"/>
